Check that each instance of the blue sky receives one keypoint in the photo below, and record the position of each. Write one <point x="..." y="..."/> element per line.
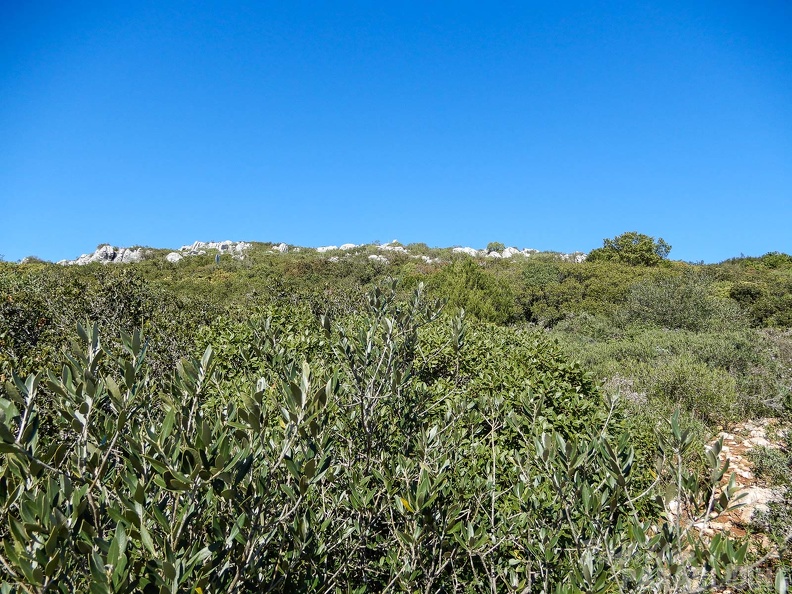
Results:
<point x="545" y="125"/>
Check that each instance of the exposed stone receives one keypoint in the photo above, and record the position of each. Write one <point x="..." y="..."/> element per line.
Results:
<point x="198" y="248"/>
<point x="576" y="257"/>
<point x="378" y="258"/>
<point x="106" y="254"/>
<point x="129" y="256"/>
<point x="759" y="441"/>
<point x="466" y="250"/>
<point x="752" y="496"/>
<point x="103" y="254"/>
<point x="173" y="257"/>
<point x="393" y="248"/>
<point x="754" y="499"/>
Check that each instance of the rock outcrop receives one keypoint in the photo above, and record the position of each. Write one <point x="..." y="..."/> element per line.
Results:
<point x="510" y="252"/>
<point x="752" y="494"/>
<point x="466" y="250"/>
<point x="576" y="257"/>
<point x="199" y="248"/>
<point x="106" y="254"/>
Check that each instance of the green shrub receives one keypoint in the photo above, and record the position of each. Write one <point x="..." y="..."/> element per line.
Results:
<point x="682" y="302"/>
<point x="413" y="451"/>
<point x="633" y="248"/>
<point x="469" y="286"/>
<point x="772" y="464"/>
<point x="777" y="260"/>
<point x="706" y="393"/>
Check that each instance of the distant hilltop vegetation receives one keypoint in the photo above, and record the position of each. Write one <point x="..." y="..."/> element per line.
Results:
<point x="382" y="253"/>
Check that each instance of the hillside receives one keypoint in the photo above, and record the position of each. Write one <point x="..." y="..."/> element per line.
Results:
<point x="238" y="416"/>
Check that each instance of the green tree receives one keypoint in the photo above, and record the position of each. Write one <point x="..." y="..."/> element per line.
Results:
<point x="633" y="248"/>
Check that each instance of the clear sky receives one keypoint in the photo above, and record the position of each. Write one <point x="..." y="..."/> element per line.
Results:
<point x="548" y="125"/>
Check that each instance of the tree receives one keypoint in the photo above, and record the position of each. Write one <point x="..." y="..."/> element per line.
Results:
<point x="633" y="248"/>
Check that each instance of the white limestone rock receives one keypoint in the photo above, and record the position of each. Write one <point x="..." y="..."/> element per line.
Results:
<point x="378" y="258"/>
<point x="105" y="254"/>
<point x="199" y="248"/>
<point x="466" y="250"/>
<point x="393" y="248"/>
<point x="174" y="257"/>
<point x="575" y="257"/>
<point x="347" y="246"/>
<point x="194" y="248"/>
<point x="754" y="499"/>
<point x="326" y="248"/>
<point x="129" y="256"/>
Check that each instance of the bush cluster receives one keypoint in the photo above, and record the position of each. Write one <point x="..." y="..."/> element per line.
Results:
<point x="292" y="423"/>
<point x="408" y="451"/>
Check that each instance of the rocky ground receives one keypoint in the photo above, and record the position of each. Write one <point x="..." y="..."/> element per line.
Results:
<point x="753" y="492"/>
<point x="107" y="254"/>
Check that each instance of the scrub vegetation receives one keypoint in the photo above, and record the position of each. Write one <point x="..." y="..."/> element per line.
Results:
<point x="328" y="422"/>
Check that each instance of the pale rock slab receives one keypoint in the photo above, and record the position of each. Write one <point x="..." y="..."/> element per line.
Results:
<point x="393" y="248"/>
<point x="465" y="250"/>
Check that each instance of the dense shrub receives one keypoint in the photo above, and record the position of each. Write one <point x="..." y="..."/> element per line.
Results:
<point x="707" y="393"/>
<point x="468" y="285"/>
<point x="409" y="458"/>
<point x="682" y="302"/>
<point x="461" y="453"/>
<point x="633" y="248"/>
